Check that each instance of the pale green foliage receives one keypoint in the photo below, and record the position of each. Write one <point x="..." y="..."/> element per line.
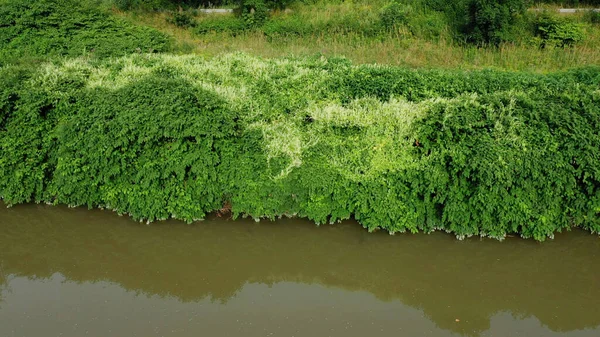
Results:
<point x="283" y="139"/>
<point x="385" y="142"/>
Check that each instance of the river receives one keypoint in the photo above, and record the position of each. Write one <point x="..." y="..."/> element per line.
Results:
<point x="79" y="272"/>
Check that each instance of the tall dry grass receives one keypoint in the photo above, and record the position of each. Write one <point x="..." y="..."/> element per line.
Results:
<point x="397" y="48"/>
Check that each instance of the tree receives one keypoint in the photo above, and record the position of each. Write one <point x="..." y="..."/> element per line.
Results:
<point x="489" y="21"/>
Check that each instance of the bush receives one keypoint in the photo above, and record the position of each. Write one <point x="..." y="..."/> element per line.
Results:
<point x="155" y="136"/>
<point x="278" y="4"/>
<point x="490" y="21"/>
<point x="572" y="3"/>
<point x="167" y="4"/>
<point x="226" y="23"/>
<point x="12" y="79"/>
<point x="183" y="20"/>
<point x="394" y="14"/>
<point x="249" y="15"/>
<point x="289" y="26"/>
<point x="144" y="4"/>
<point x="555" y="31"/>
<point x="125" y="4"/>
<point x="592" y="17"/>
<point x="32" y="30"/>
<point x="253" y="12"/>
<point x="356" y="22"/>
<point x="428" y="25"/>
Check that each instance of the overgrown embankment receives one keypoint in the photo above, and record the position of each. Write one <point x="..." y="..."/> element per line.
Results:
<point x="32" y="31"/>
<point x="159" y="136"/>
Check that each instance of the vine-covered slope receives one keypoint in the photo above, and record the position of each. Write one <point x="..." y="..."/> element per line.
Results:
<point x="158" y="136"/>
<point x="36" y="30"/>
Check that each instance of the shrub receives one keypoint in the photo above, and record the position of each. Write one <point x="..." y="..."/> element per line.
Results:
<point x="12" y="79"/>
<point x="555" y="31"/>
<point x="278" y="4"/>
<point x="253" y="12"/>
<point x="394" y="14"/>
<point x="250" y="14"/>
<point x="490" y="21"/>
<point x="144" y="4"/>
<point x="226" y="23"/>
<point x="125" y="4"/>
<point x="428" y="25"/>
<point x="356" y="22"/>
<point x="166" y="4"/>
<point x="288" y="26"/>
<point x="32" y="30"/>
<point x="182" y="19"/>
<point x="592" y="17"/>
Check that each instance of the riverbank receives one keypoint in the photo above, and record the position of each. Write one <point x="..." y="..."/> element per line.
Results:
<point x="157" y="135"/>
<point x="484" y="153"/>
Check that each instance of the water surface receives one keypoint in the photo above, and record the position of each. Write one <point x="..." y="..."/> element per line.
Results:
<point x="75" y="272"/>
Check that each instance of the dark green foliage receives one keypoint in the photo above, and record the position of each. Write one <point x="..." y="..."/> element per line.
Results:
<point x="571" y="3"/>
<point x="593" y="17"/>
<point x="229" y="24"/>
<point x="422" y="21"/>
<point x="148" y="146"/>
<point x="394" y="14"/>
<point x="189" y="4"/>
<point x="183" y="20"/>
<point x="164" y="4"/>
<point x="278" y="4"/>
<point x="475" y="21"/>
<point x="125" y="4"/>
<point x="473" y="153"/>
<point x="152" y="148"/>
<point x="31" y="30"/>
<point x="557" y="31"/>
<point x="250" y="14"/>
<point x="428" y="24"/>
<point x="253" y="12"/>
<point x="288" y="26"/>
<point x="12" y="79"/>
<point x="490" y="21"/>
<point x="295" y="25"/>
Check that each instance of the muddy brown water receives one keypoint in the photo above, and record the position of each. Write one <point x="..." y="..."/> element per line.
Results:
<point x="76" y="272"/>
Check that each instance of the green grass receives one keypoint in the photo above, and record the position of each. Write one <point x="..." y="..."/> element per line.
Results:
<point x="352" y="30"/>
<point x="35" y="31"/>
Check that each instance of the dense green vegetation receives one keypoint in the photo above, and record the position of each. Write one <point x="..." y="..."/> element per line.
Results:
<point x="480" y="22"/>
<point x="471" y="34"/>
<point x="473" y="153"/>
<point x="33" y="31"/>
<point x="158" y="136"/>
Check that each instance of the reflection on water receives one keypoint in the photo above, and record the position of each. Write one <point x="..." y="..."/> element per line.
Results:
<point x="74" y="271"/>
